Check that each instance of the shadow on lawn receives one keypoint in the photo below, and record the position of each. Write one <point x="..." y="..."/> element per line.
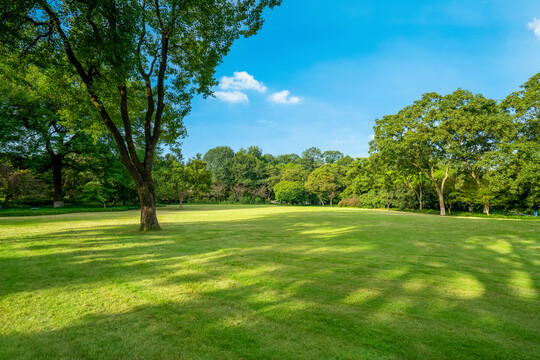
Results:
<point x="292" y="285"/>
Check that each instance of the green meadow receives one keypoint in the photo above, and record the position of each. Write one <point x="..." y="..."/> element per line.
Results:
<point x="269" y="282"/>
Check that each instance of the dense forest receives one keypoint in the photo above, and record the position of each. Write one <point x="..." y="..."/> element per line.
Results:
<point x="460" y="151"/>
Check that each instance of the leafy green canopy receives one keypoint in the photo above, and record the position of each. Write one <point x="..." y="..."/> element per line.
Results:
<point x="141" y="61"/>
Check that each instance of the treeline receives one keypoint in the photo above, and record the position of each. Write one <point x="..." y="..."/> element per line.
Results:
<point x="460" y="151"/>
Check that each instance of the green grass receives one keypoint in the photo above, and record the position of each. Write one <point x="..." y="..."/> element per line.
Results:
<point x="266" y="282"/>
<point x="63" y="210"/>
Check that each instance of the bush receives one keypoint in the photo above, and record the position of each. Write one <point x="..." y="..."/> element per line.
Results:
<point x="259" y="200"/>
<point x="290" y="192"/>
<point x="245" y="200"/>
<point x="350" y="202"/>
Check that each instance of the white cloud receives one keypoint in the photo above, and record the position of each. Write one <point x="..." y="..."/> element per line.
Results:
<point x="241" y="80"/>
<point x="371" y="137"/>
<point x="233" y="97"/>
<point x="282" y="97"/>
<point x="535" y="25"/>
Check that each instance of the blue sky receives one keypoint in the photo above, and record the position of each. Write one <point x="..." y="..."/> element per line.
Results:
<point x="319" y="73"/>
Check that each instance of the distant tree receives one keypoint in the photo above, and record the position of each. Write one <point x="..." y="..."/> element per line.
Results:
<point x="16" y="184"/>
<point x="261" y="192"/>
<point x="479" y="126"/>
<point x="253" y="151"/>
<point x="239" y="191"/>
<point x="416" y="181"/>
<point x="284" y="159"/>
<point x="311" y="158"/>
<point x="198" y="177"/>
<point x="345" y="161"/>
<point x="322" y="183"/>
<point x="522" y="156"/>
<point x="331" y="156"/>
<point x="293" y="172"/>
<point x="218" y="162"/>
<point x="419" y="136"/>
<point x="97" y="191"/>
<point x="290" y="192"/>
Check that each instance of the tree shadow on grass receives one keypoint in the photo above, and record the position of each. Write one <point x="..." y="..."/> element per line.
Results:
<point x="295" y="285"/>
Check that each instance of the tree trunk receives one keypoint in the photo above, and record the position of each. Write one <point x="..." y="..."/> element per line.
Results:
<point x="147" y="198"/>
<point x="470" y="208"/>
<point x="181" y="198"/>
<point x="6" y="199"/>
<point x="58" y="195"/>
<point x="486" y="209"/>
<point x="420" y="198"/>
<point x="441" y="201"/>
<point x="320" y="199"/>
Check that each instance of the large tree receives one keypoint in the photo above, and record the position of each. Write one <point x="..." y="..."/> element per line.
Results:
<point x="423" y="136"/>
<point x="166" y="50"/>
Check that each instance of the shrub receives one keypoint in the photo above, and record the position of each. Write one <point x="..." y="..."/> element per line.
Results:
<point x="290" y="192"/>
<point x="245" y="200"/>
<point x="350" y="202"/>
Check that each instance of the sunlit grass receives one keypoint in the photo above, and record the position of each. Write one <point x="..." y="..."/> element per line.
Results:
<point x="264" y="282"/>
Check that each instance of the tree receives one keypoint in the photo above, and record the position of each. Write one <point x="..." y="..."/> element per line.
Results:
<point x="479" y="126"/>
<point x="331" y="156"/>
<point x="284" y="159"/>
<point x="33" y="105"/>
<point x="311" y="158"/>
<point x="199" y="179"/>
<point x="15" y="184"/>
<point x="416" y="181"/>
<point x="177" y="180"/>
<point x="218" y="190"/>
<point x="419" y="136"/>
<point x="322" y="183"/>
<point x="261" y="192"/>
<point x="523" y="154"/>
<point x="217" y="160"/>
<point x="239" y="191"/>
<point x="165" y="51"/>
<point x="290" y="192"/>
<point x="96" y="190"/>
<point x="293" y="172"/>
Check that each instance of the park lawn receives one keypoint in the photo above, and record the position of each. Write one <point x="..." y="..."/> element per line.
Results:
<point x="269" y="282"/>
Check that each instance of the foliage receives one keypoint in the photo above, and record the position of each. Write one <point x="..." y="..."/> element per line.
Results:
<point x="16" y="184"/>
<point x="290" y="192"/>
<point x="141" y="63"/>
<point x="322" y="183"/>
<point x="350" y="202"/>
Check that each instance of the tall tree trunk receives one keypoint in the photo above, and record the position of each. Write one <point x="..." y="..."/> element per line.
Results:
<point x="58" y="195"/>
<point x="181" y="198"/>
<point x="441" y="200"/>
<point x="147" y="197"/>
<point x="420" y="198"/>
<point x="486" y="209"/>
<point x="320" y="199"/>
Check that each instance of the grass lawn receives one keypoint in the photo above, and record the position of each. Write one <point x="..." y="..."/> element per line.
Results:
<point x="269" y="282"/>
